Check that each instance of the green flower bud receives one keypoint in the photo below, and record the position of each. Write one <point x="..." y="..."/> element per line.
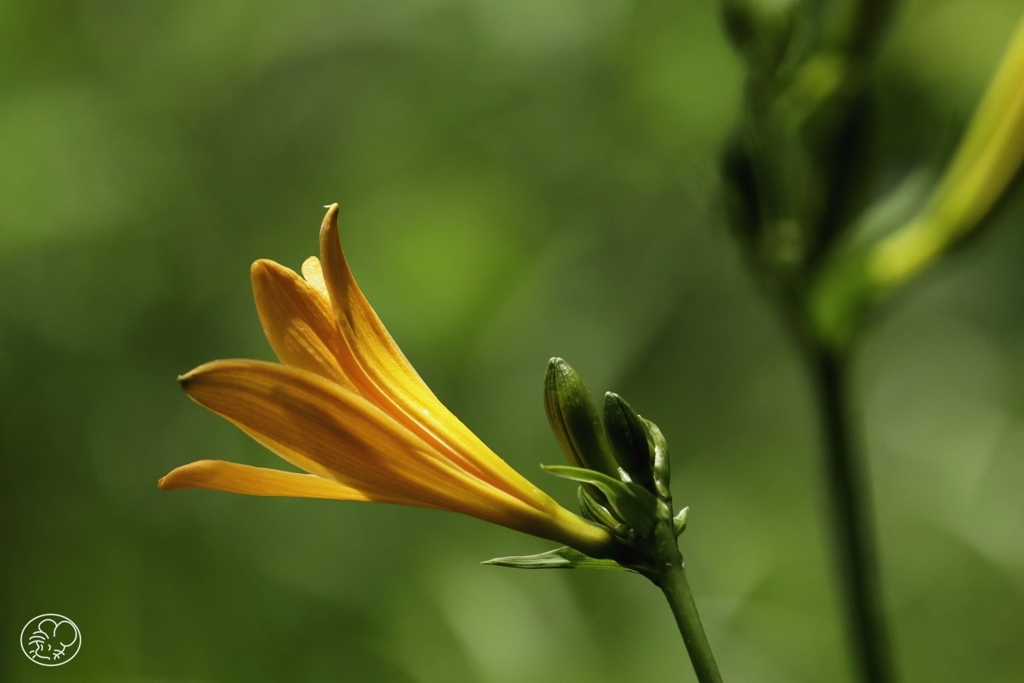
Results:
<point x="629" y="440"/>
<point x="574" y="420"/>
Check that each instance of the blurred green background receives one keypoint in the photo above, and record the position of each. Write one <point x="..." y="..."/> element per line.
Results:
<point x="518" y="179"/>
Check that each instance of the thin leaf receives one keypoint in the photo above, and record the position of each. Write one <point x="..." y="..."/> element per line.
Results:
<point x="560" y="558"/>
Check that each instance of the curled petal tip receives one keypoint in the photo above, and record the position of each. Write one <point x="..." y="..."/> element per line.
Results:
<point x="186" y="379"/>
<point x="264" y="274"/>
<point x="171" y="481"/>
<point x="260" y="267"/>
<point x="330" y="218"/>
<point x="330" y="247"/>
<point x="188" y="476"/>
<point x="267" y="276"/>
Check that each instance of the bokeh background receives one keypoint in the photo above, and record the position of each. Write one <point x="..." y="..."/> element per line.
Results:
<point x="518" y="179"/>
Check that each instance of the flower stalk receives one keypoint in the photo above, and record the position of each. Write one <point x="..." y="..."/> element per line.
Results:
<point x="670" y="574"/>
<point x="676" y="588"/>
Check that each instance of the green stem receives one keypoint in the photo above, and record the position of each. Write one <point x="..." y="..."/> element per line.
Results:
<point x="672" y="581"/>
<point x="849" y="496"/>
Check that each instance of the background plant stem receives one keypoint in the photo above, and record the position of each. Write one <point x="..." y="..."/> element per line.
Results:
<point x="852" y="520"/>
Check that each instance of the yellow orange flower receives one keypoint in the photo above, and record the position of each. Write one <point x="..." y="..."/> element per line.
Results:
<point x="346" y="407"/>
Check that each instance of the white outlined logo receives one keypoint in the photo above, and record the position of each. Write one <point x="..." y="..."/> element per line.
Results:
<point x="51" y="640"/>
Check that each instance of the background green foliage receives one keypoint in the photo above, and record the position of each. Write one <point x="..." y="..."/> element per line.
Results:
<point x="518" y="179"/>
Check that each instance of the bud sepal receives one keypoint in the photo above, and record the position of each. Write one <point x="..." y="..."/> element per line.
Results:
<point x="679" y="521"/>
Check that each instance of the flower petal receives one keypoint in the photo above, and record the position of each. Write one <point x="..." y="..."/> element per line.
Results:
<point x="383" y="375"/>
<point x="298" y="321"/>
<point x="325" y="429"/>
<point x="232" y="477"/>
<point x="314" y="274"/>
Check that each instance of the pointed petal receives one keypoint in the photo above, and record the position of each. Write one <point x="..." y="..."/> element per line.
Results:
<point x="314" y="274"/>
<point x="384" y="375"/>
<point x="327" y="430"/>
<point x="218" y="475"/>
<point x="298" y="321"/>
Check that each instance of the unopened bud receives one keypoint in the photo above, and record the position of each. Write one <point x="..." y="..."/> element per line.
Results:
<point x="629" y="440"/>
<point x="574" y="420"/>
